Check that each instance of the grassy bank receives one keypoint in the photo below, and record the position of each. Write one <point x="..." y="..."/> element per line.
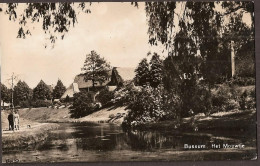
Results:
<point x="62" y="115"/>
<point x="26" y="136"/>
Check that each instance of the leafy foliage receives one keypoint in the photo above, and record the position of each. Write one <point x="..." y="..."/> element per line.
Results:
<point x="42" y="92"/>
<point x="146" y="106"/>
<point x="82" y="105"/>
<point x="124" y="95"/>
<point x="149" y="73"/>
<point x="142" y="76"/>
<point x="160" y="21"/>
<point x="194" y="97"/>
<point x="37" y="103"/>
<point x="156" y="70"/>
<point x="96" y="68"/>
<point x="56" y="18"/>
<point x="229" y="97"/>
<point x="22" y="93"/>
<point x="203" y="39"/>
<point x="105" y="96"/>
<point x="58" y="90"/>
<point x="5" y="93"/>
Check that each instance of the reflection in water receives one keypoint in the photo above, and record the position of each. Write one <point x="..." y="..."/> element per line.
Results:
<point x="105" y="142"/>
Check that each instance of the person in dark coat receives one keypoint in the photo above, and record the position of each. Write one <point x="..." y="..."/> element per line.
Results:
<point x="11" y="121"/>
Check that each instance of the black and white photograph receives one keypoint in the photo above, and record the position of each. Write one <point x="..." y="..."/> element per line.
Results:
<point x="128" y="81"/>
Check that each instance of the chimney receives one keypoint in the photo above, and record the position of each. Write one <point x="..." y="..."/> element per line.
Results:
<point x="232" y="59"/>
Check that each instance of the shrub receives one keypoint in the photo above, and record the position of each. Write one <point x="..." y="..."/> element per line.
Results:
<point x="226" y="98"/>
<point x="25" y="104"/>
<point x="248" y="100"/>
<point x="82" y="105"/>
<point x="172" y="106"/>
<point x="41" y="103"/>
<point x="232" y="104"/>
<point x="126" y="94"/>
<point x="194" y="96"/>
<point x="111" y="116"/>
<point x="146" y="106"/>
<point x="242" y="81"/>
<point x="105" y="96"/>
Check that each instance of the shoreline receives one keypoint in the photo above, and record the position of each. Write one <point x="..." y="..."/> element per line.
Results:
<point x="26" y="137"/>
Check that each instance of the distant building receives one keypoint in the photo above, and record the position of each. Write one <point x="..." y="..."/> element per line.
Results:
<point x="71" y="90"/>
<point x="5" y="105"/>
<point x="120" y="75"/>
<point x="117" y="77"/>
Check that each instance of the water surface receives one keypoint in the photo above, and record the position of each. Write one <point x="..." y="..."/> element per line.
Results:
<point x="107" y="142"/>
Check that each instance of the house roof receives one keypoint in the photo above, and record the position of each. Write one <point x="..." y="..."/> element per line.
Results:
<point x="126" y="73"/>
<point x="79" y="79"/>
<point x="71" y="90"/>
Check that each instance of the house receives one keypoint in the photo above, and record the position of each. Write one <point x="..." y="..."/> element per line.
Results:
<point x="71" y="90"/>
<point x="5" y="105"/>
<point x="120" y="75"/>
<point x="117" y="76"/>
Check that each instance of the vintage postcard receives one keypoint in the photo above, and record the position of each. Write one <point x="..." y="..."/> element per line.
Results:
<point x="128" y="81"/>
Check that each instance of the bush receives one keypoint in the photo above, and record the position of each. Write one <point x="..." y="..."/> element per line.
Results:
<point x="226" y="98"/>
<point x="105" y="96"/>
<point x="172" y="106"/>
<point x="25" y="104"/>
<point x="111" y="116"/>
<point x="221" y="96"/>
<point x="41" y="103"/>
<point x="229" y="97"/>
<point x="232" y="104"/>
<point x="242" y="81"/>
<point x="82" y="105"/>
<point x="146" y="106"/>
<point x="126" y="94"/>
<point x="194" y="96"/>
<point x="248" y="100"/>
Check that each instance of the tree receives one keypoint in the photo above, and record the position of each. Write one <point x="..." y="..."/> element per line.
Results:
<point x="203" y="25"/>
<point x="58" y="90"/>
<point x="56" y="18"/>
<point x="142" y="76"/>
<point x="82" y="105"/>
<point x="96" y="68"/>
<point x="22" y="92"/>
<point x="42" y="92"/>
<point x="105" y="96"/>
<point x="67" y="99"/>
<point x="5" y="94"/>
<point x="156" y="70"/>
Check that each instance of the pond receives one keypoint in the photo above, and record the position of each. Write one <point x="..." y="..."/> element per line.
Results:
<point x="73" y="142"/>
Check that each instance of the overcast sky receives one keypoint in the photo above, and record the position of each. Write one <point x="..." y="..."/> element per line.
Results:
<point x="117" y="31"/>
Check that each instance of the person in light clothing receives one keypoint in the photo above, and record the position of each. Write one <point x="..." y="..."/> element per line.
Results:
<point x="16" y="120"/>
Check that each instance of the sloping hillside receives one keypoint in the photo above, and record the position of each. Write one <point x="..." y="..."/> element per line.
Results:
<point x="112" y="114"/>
<point x="62" y="115"/>
<point x="45" y="114"/>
